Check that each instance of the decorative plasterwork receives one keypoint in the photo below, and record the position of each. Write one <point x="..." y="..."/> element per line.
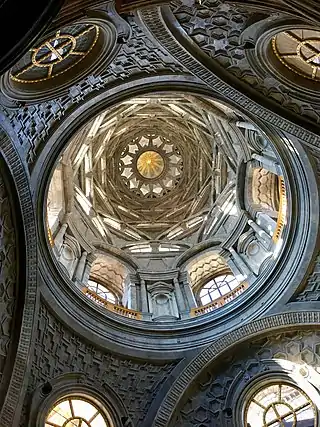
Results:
<point x="227" y="318"/>
<point x="187" y="141"/>
<point x="9" y="283"/>
<point x="136" y="382"/>
<point x="311" y="291"/>
<point x="281" y="322"/>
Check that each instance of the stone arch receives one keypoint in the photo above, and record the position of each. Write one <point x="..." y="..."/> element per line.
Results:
<point x="27" y="277"/>
<point x="206" y="357"/>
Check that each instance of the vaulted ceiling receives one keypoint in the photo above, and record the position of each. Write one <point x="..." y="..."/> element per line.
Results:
<point x="152" y="167"/>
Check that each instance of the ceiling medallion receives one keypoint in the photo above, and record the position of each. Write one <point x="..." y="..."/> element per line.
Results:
<point x="57" y="54"/>
<point x="299" y="51"/>
<point x="150" y="164"/>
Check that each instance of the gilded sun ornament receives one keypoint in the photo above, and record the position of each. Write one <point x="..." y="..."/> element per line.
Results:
<point x="150" y="164"/>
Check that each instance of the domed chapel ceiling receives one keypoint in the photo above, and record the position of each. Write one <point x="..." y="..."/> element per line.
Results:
<point x="165" y="177"/>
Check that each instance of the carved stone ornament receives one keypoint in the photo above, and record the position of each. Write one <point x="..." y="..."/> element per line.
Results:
<point x="213" y="391"/>
<point x="61" y="59"/>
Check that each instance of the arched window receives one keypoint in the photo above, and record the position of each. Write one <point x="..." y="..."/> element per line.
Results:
<point x="217" y="287"/>
<point x="102" y="291"/>
<point x="77" y="412"/>
<point x="280" y="405"/>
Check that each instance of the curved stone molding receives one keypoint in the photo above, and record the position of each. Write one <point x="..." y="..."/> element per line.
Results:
<point x="9" y="279"/>
<point x="220" y="395"/>
<point x="245" y="333"/>
<point x="75" y="384"/>
<point x="33" y="124"/>
<point x="161" y="23"/>
<point x="311" y="292"/>
<point x="12" y="405"/>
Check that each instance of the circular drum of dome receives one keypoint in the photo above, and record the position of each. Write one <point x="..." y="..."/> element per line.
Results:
<point x="226" y="214"/>
<point x="290" y="53"/>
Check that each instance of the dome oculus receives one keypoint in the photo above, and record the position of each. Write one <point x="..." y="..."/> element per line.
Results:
<point x="299" y="51"/>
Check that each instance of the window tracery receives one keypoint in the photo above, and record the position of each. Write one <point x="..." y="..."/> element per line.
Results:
<point x="102" y="291"/>
<point x="279" y="405"/>
<point x="299" y="51"/>
<point x="217" y="287"/>
<point x="76" y="411"/>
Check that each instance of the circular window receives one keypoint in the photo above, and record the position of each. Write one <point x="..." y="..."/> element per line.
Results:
<point x="299" y="50"/>
<point x="57" y="54"/>
<point x="280" y="405"/>
<point x="59" y="60"/>
<point x="150" y="164"/>
<point x="76" y="412"/>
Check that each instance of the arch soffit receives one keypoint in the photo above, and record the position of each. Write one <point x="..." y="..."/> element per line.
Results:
<point x="208" y="356"/>
<point x="11" y="408"/>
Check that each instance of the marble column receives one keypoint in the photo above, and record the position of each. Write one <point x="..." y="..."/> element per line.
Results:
<point x="58" y="240"/>
<point x="261" y="234"/>
<point x="87" y="269"/>
<point x="190" y="299"/>
<point x="235" y="270"/>
<point x="240" y="263"/>
<point x="132" y="296"/>
<point x="80" y="268"/>
<point x="179" y="297"/>
<point x="144" y="297"/>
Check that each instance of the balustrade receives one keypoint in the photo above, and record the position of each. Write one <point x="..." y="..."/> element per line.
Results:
<point x="219" y="302"/>
<point x="122" y="311"/>
<point x="281" y="221"/>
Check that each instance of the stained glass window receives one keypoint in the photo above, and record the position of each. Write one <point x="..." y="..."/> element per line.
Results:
<point x="76" y="412"/>
<point x="217" y="287"/>
<point x="280" y="405"/>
